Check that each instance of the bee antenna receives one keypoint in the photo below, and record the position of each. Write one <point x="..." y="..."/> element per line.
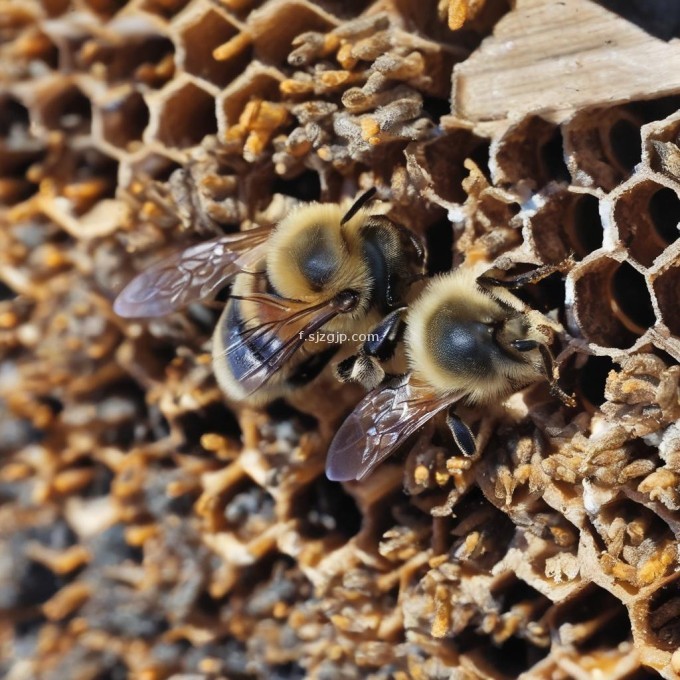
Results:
<point x="358" y="205"/>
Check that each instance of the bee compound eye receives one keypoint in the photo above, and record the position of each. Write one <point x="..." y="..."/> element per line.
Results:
<point x="462" y="347"/>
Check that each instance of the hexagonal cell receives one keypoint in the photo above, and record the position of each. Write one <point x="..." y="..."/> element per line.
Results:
<point x="493" y="527"/>
<point x="602" y="147"/>
<point x="124" y="119"/>
<point x="323" y="507"/>
<point x="443" y="161"/>
<point x="567" y="223"/>
<point x="18" y="151"/>
<point x="636" y="536"/>
<point x="247" y="510"/>
<point x="505" y="653"/>
<point x="186" y="117"/>
<point x="273" y="580"/>
<point x="87" y="177"/>
<point x="253" y="83"/>
<point x="613" y="307"/>
<point x="201" y="38"/>
<point x="647" y="215"/>
<point x="275" y="26"/>
<point x="65" y="107"/>
<point x="590" y="619"/>
<point x="141" y="54"/>
<point x="529" y="151"/>
<point x="667" y="290"/>
<point x="624" y="141"/>
<point x="214" y="417"/>
<point x="663" y="615"/>
<point x="36" y="48"/>
<point x="14" y="184"/>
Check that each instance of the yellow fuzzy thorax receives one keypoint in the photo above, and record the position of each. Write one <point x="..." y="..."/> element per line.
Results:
<point x="284" y="255"/>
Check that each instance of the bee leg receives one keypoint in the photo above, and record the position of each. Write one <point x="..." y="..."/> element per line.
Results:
<point x="310" y="368"/>
<point x="361" y="369"/>
<point x="462" y="435"/>
<point x="382" y="340"/>
<point x="533" y="276"/>
<point x="365" y="367"/>
<point x="549" y="368"/>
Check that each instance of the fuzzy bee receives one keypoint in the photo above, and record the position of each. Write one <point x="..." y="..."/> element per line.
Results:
<point x="468" y="339"/>
<point x="321" y="268"/>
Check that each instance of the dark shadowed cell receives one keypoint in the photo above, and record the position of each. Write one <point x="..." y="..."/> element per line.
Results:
<point x="439" y="245"/>
<point x="663" y="617"/>
<point x="664" y="209"/>
<point x="306" y="186"/>
<point x="588" y="229"/>
<point x="632" y="296"/>
<point x="323" y="507"/>
<point x="592" y="378"/>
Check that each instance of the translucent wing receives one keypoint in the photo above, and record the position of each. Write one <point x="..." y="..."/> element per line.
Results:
<point x="382" y="420"/>
<point x="190" y="275"/>
<point x="255" y="354"/>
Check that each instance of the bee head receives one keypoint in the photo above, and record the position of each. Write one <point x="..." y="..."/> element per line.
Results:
<point x="460" y="338"/>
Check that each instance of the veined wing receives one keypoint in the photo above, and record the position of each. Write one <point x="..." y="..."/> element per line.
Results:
<point x="378" y="425"/>
<point x="190" y="275"/>
<point x="258" y="352"/>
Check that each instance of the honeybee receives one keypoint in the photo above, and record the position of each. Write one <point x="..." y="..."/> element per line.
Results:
<point x="469" y="340"/>
<point x="321" y="268"/>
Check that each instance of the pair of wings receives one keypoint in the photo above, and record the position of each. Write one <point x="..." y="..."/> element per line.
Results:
<point x="199" y="271"/>
<point x="379" y="424"/>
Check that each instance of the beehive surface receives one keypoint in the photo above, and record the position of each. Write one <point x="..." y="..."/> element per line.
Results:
<point x="149" y="528"/>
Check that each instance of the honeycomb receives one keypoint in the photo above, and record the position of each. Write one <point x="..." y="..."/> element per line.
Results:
<point x="149" y="528"/>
